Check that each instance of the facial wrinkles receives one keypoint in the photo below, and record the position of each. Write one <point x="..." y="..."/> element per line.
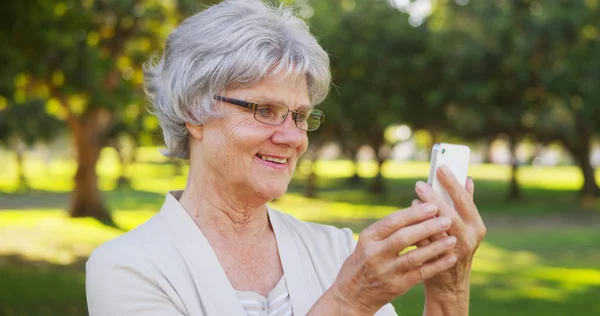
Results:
<point x="237" y="159"/>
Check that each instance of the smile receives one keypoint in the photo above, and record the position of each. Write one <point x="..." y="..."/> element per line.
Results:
<point x="272" y="159"/>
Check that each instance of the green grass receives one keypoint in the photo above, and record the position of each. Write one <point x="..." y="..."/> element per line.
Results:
<point x="541" y="255"/>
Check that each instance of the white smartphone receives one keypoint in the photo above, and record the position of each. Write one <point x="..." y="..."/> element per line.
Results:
<point x="456" y="158"/>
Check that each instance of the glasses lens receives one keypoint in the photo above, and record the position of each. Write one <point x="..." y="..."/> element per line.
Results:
<point x="275" y="114"/>
<point x="271" y="113"/>
<point x="313" y="120"/>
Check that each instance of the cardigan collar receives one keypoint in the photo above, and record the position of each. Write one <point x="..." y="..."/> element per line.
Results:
<point x="217" y="293"/>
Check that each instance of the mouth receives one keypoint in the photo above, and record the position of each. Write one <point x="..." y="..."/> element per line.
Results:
<point x="277" y="160"/>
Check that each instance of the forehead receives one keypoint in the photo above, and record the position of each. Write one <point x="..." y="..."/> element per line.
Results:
<point x="291" y="90"/>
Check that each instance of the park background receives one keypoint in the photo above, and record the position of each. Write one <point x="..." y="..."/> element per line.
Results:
<point x="517" y="80"/>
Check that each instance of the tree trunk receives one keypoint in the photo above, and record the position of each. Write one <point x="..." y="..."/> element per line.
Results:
<point x="122" y="181"/>
<point x="590" y="188"/>
<point x="514" y="191"/>
<point x="311" y="182"/>
<point x="135" y="145"/>
<point x="579" y="147"/>
<point x="313" y="155"/>
<point x="355" y="179"/>
<point x="22" y="185"/>
<point x="378" y="187"/>
<point x="86" y="200"/>
<point x="488" y="153"/>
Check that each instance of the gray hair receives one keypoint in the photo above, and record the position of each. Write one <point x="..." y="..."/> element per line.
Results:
<point x="236" y="43"/>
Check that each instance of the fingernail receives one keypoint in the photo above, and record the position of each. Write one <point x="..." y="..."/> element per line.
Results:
<point x="422" y="186"/>
<point x="451" y="260"/>
<point x="430" y="208"/>
<point x="450" y="241"/>
<point x="444" y="222"/>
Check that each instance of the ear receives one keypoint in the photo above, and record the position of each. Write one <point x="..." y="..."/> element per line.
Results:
<point x="197" y="131"/>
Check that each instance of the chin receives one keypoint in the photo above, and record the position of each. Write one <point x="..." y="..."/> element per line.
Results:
<point x="273" y="191"/>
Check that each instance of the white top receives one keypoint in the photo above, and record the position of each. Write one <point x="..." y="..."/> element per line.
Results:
<point x="277" y="303"/>
<point x="167" y="267"/>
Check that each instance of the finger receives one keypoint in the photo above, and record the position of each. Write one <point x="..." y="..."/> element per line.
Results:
<point x="428" y="270"/>
<point x="410" y="235"/>
<point x="419" y="256"/>
<point x="438" y="236"/>
<point x="470" y="186"/>
<point x="425" y="241"/>
<point x="463" y="201"/>
<point x="427" y="194"/>
<point x="391" y="223"/>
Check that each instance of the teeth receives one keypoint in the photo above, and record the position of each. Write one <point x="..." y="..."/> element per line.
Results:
<point x="272" y="159"/>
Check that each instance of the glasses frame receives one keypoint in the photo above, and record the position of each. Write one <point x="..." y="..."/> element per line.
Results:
<point x="254" y="106"/>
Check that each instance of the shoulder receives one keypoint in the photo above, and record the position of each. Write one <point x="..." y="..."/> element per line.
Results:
<point x="124" y="276"/>
<point x="127" y="249"/>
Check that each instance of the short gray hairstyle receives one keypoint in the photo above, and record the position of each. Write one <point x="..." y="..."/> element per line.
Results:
<point x="234" y="44"/>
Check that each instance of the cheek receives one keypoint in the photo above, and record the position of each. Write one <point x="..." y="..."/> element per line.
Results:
<point x="236" y="131"/>
<point x="242" y="139"/>
<point x="303" y="147"/>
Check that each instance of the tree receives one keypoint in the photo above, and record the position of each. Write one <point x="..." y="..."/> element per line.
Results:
<point x="524" y="68"/>
<point x="376" y="61"/>
<point x="486" y="58"/>
<point x="87" y="56"/>
<point x="569" y="72"/>
<point x="22" y="126"/>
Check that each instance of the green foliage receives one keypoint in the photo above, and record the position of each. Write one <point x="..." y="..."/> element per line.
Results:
<point x="474" y="70"/>
<point x="520" y="66"/>
<point x="27" y="124"/>
<point x="377" y="60"/>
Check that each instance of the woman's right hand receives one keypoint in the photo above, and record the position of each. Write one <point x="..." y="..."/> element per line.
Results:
<point x="375" y="274"/>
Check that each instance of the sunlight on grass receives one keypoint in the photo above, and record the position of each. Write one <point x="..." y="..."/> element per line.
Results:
<point x="50" y="235"/>
<point x="57" y="175"/>
<point x="321" y="210"/>
<point x="556" y="178"/>
<point x="521" y="274"/>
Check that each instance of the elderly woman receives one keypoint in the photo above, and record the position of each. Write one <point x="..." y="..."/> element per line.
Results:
<point x="235" y="92"/>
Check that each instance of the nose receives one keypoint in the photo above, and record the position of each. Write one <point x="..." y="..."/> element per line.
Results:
<point x="288" y="134"/>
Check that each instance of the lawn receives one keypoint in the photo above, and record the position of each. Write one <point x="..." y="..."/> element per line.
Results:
<point x="541" y="255"/>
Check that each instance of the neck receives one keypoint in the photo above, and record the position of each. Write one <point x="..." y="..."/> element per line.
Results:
<point x="217" y="209"/>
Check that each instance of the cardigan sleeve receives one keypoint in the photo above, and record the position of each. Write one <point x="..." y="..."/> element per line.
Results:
<point x="120" y="282"/>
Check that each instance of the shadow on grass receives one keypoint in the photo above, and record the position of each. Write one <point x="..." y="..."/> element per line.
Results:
<point x="119" y="199"/>
<point x="31" y="199"/>
<point x="496" y="298"/>
<point x="34" y="287"/>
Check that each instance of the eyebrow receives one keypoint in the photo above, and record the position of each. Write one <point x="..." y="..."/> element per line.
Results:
<point x="265" y="99"/>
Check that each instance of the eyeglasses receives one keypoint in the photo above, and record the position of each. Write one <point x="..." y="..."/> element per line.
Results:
<point x="275" y="114"/>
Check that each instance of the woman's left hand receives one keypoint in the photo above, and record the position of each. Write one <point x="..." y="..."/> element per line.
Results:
<point x="467" y="227"/>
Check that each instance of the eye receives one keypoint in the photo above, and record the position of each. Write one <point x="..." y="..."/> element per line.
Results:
<point x="265" y="111"/>
<point x="301" y="116"/>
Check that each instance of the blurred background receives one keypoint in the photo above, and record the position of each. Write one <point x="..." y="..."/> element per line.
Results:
<point x="516" y="80"/>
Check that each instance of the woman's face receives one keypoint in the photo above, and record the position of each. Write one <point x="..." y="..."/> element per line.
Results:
<point x="235" y="148"/>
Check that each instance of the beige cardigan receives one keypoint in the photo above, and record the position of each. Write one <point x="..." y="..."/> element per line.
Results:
<point x="167" y="267"/>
